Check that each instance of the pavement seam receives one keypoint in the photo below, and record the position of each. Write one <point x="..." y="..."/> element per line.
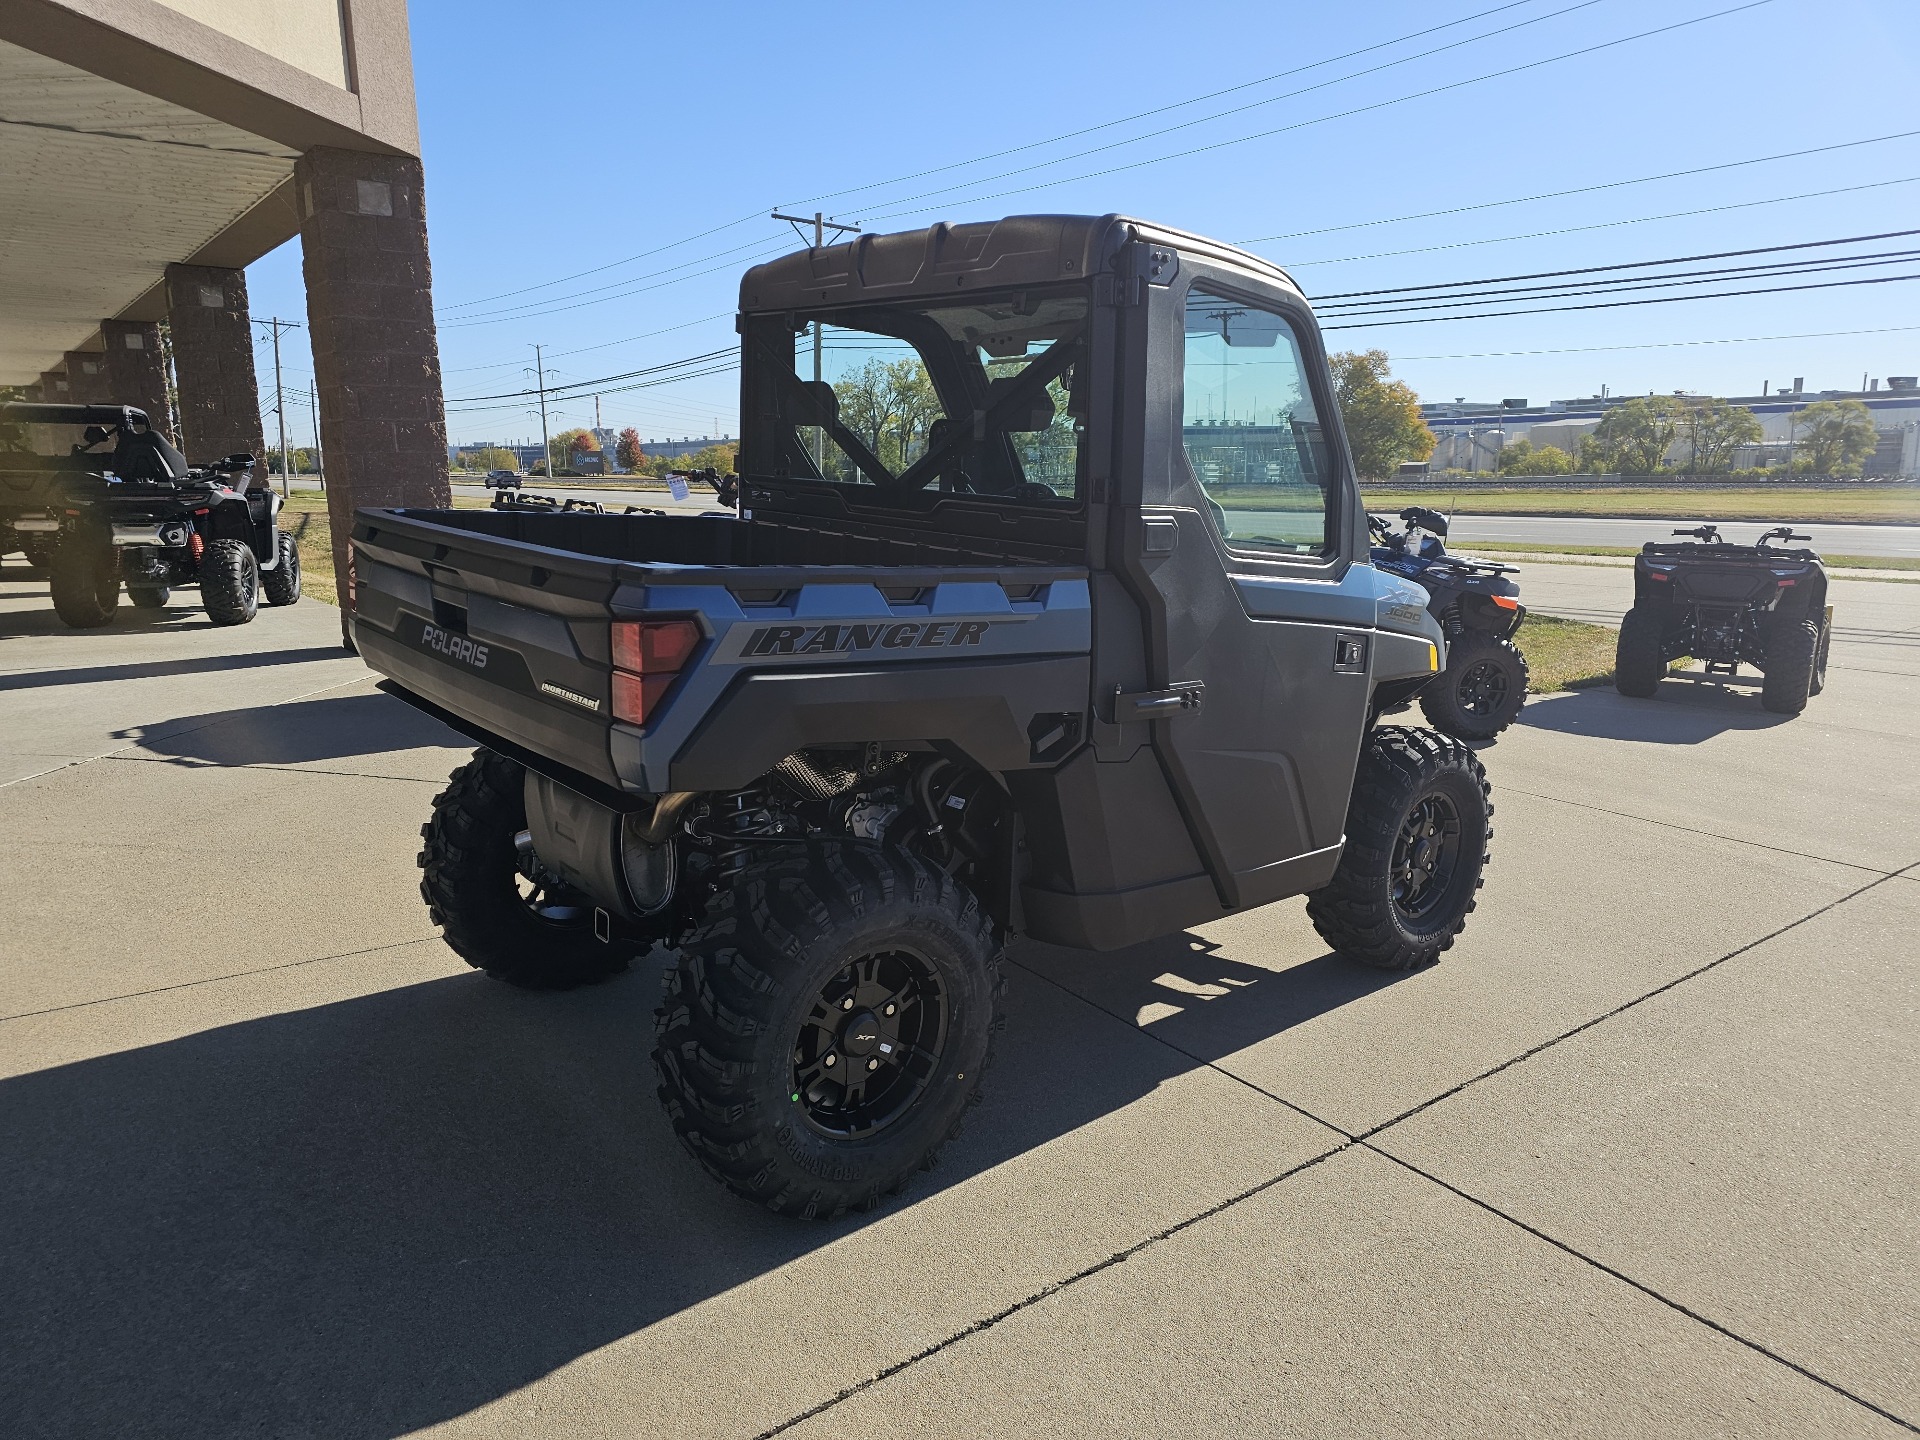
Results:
<point x="1642" y="1287"/>
<point x="216" y="979"/>
<point x="117" y="750"/>
<point x="1627" y="1005"/>
<point x="1690" y="830"/>
<point x="1119" y="1257"/>
<point x="186" y="764"/>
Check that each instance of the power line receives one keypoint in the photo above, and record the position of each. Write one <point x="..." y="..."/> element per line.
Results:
<point x="558" y="309"/>
<point x="598" y="380"/>
<point x="1627" y="265"/>
<point x="1601" y="225"/>
<point x="1218" y="115"/>
<point x="603" y="345"/>
<point x="1581" y="190"/>
<point x="1344" y="114"/>
<point x="1622" y="304"/>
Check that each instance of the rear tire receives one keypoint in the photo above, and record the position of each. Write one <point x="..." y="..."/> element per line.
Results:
<point x="785" y="986"/>
<point x="84" y="576"/>
<point x="1639" y="663"/>
<point x="149" y="597"/>
<point x="282" y="583"/>
<point x="523" y="930"/>
<point x="1793" y="652"/>
<point x="1820" y="658"/>
<point x="1418" y="827"/>
<point x="229" y="582"/>
<point x="1481" y="690"/>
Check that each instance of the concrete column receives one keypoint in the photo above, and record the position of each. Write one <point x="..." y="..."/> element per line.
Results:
<point x="213" y="363"/>
<point x="376" y="360"/>
<point x="135" y="370"/>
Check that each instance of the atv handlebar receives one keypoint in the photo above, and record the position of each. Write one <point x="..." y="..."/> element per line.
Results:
<point x="1709" y="533"/>
<point x="1782" y="532"/>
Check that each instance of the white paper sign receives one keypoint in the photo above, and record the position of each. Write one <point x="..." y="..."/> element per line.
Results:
<point x="676" y="487"/>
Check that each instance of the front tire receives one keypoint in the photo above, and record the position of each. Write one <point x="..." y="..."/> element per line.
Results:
<point x="1639" y="661"/>
<point x="1820" y="658"/>
<point x="229" y="582"/>
<point x="1793" y="654"/>
<point x="84" y="577"/>
<point x="835" y="961"/>
<point x="1418" y="827"/>
<point x="496" y="908"/>
<point x="1481" y="690"/>
<point x="282" y="583"/>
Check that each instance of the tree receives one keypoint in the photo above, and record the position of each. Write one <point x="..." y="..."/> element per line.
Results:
<point x="1633" y="439"/>
<point x="1713" y="430"/>
<point x="560" y="449"/>
<point x="627" y="452"/>
<point x="1520" y="458"/>
<point x="1836" y="436"/>
<point x="1382" y="415"/>
<point x="890" y="404"/>
<point x="489" y="457"/>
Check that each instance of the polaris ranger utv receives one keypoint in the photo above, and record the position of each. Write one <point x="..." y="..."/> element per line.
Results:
<point x="125" y="505"/>
<point x="1722" y="603"/>
<point x="1005" y="667"/>
<point x="1485" y="683"/>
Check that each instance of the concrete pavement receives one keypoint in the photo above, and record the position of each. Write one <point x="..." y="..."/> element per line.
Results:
<point x="1637" y="1158"/>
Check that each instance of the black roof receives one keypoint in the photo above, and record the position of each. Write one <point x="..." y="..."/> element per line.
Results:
<point x="27" y="412"/>
<point x="992" y="254"/>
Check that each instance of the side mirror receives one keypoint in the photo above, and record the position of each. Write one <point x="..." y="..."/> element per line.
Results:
<point x="94" y="434"/>
<point x="241" y="458"/>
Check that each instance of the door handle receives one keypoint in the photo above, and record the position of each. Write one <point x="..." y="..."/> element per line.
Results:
<point x="1177" y="699"/>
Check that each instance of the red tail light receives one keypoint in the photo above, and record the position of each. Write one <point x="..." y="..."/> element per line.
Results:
<point x="648" y="656"/>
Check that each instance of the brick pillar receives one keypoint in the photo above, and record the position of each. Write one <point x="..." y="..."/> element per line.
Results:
<point x="54" y="439"/>
<point x="136" y="373"/>
<point x="213" y="363"/>
<point x="376" y="361"/>
<point x="87" y="378"/>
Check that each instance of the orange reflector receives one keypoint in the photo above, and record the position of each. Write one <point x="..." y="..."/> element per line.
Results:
<point x="1505" y="602"/>
<point x="653" y="647"/>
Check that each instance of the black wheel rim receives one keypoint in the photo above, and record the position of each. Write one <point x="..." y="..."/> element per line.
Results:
<point x="870" y="1045"/>
<point x="1483" y="688"/>
<point x="1426" y="858"/>
<point x="542" y="895"/>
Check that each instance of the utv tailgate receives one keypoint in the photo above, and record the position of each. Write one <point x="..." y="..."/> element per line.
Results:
<point x="512" y="640"/>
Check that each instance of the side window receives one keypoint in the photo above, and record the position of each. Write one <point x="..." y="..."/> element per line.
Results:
<point x="1251" y="432"/>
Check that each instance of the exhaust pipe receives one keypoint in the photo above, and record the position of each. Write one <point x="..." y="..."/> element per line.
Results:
<point x="169" y="534"/>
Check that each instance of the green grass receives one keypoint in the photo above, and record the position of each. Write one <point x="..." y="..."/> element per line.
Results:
<point x="1875" y="504"/>
<point x="1565" y="654"/>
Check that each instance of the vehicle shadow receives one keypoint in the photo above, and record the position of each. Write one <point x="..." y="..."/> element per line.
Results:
<point x="1688" y="709"/>
<point x="365" y="1217"/>
<point x="328" y="727"/>
<point x="151" y="669"/>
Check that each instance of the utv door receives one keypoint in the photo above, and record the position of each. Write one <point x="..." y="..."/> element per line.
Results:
<point x="1258" y="625"/>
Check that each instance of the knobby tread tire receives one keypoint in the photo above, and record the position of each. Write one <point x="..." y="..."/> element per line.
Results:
<point x="1793" y="652"/>
<point x="1440" y="698"/>
<point x="1355" y="912"/>
<point x="83" y="576"/>
<point x="229" y="582"/>
<point x="1820" y="658"/>
<point x="467" y="868"/>
<point x="731" y="1006"/>
<point x="282" y="583"/>
<point x="1638" y="662"/>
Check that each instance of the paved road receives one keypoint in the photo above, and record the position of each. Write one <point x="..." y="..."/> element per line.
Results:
<point x="1639" y="1157"/>
<point x="1875" y="540"/>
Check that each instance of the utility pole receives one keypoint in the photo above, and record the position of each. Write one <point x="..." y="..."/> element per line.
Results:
<point x="820" y="227"/>
<point x="313" y="414"/>
<point x="546" y="445"/>
<point x="280" y="394"/>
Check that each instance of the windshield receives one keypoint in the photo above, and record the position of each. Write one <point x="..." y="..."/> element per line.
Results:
<point x="985" y="398"/>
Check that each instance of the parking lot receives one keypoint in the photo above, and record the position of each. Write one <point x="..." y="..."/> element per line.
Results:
<point x="1640" y="1156"/>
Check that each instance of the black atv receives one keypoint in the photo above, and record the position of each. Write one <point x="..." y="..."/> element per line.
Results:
<point x="1724" y="604"/>
<point x="1484" y="683"/>
<point x="124" y="505"/>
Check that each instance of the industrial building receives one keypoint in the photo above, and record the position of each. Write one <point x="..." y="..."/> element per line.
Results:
<point x="1471" y="434"/>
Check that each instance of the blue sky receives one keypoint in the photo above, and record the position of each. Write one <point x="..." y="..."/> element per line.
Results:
<point x="576" y="137"/>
